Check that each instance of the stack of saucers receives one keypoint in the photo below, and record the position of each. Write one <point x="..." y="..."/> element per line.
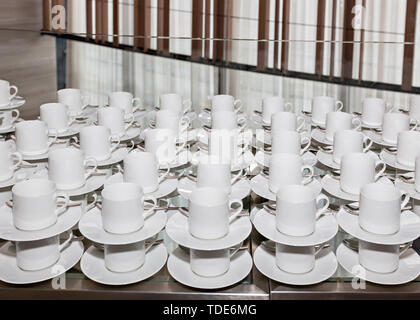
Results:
<point x="383" y="254"/>
<point x="300" y="232"/>
<point x="210" y="237"/>
<point x="9" y="102"/>
<point x="123" y="226"/>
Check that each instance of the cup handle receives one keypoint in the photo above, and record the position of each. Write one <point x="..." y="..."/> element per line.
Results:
<point x="184" y="124"/>
<point x="17" y="158"/>
<point x="85" y="102"/>
<point x="415" y="125"/>
<point x="13" y="95"/>
<point x="116" y="140"/>
<point x="302" y="123"/>
<point x="236" y="249"/>
<point x="405" y="248"/>
<point x="74" y="141"/>
<point x="237" y="177"/>
<point x="311" y="174"/>
<point x="136" y="103"/>
<point x="308" y="144"/>
<point x="357" y="124"/>
<point x="72" y="120"/>
<point x="321" y="246"/>
<point x="54" y="135"/>
<point x="66" y="242"/>
<point x="288" y="107"/>
<point x="182" y="143"/>
<point x="382" y="170"/>
<point x="338" y="106"/>
<point x="16" y="116"/>
<point x="406" y="199"/>
<point x="242" y="122"/>
<point x="367" y="143"/>
<point x="90" y="162"/>
<point x="163" y="177"/>
<point x="93" y="204"/>
<point x="237" y="211"/>
<point x="152" y="210"/>
<point x="63" y="208"/>
<point x="151" y="244"/>
<point x="130" y="122"/>
<point x="322" y="210"/>
<point x="187" y="104"/>
<point x="237" y="104"/>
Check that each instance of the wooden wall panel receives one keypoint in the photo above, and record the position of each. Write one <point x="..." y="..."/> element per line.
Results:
<point x="197" y="29"/>
<point x="115" y="22"/>
<point x="319" y="55"/>
<point x="285" y="36"/>
<point x="410" y="32"/>
<point x="348" y="35"/>
<point x="263" y="34"/>
<point x="163" y="26"/>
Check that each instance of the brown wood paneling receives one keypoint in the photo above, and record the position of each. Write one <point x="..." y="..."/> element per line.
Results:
<point x="115" y="22"/>
<point x="333" y="27"/>
<point x="276" y="34"/>
<point x="144" y="25"/>
<point x="362" y="40"/>
<point x="285" y="36"/>
<point x="46" y="15"/>
<point x="348" y="37"/>
<point x="105" y="19"/>
<point x="219" y="22"/>
<point x="409" y="37"/>
<point x="136" y="28"/>
<point x="229" y="30"/>
<point x="319" y="56"/>
<point x="163" y="26"/>
<point x="197" y="29"/>
<point x="89" y="13"/>
<point x="207" y="29"/>
<point x="263" y="33"/>
<point x="98" y="20"/>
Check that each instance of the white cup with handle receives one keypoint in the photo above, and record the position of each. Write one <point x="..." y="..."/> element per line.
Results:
<point x="272" y="105"/>
<point x="224" y="145"/>
<point x="169" y="119"/>
<point x="321" y="106"/>
<point x="164" y="144"/>
<point x="216" y="175"/>
<point x="338" y="120"/>
<point x="393" y="124"/>
<point x="32" y="137"/>
<point x="408" y="147"/>
<point x="296" y="260"/>
<point x="8" y="118"/>
<point x="56" y="116"/>
<point x="226" y="103"/>
<point x="74" y="100"/>
<point x="9" y="161"/>
<point x="174" y="101"/>
<point x="349" y="141"/>
<point x="6" y="96"/>
<point x="115" y="120"/>
<point x="373" y="111"/>
<point x="286" y="121"/>
<point x="227" y="120"/>
<point x="124" y="101"/>
<point x="289" y="142"/>
<point x="98" y="143"/>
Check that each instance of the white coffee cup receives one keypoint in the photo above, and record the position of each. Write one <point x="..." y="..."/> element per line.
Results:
<point x="408" y="147"/>
<point x="56" y="116"/>
<point x="321" y="105"/>
<point x="226" y="103"/>
<point x="126" y="257"/>
<point x="173" y="101"/>
<point x="216" y="175"/>
<point x="338" y="120"/>
<point x="378" y="257"/>
<point x="35" y="204"/>
<point x="272" y="105"/>
<point x="40" y="254"/>
<point x="123" y="208"/>
<point x="5" y="95"/>
<point x="373" y="111"/>
<point x="296" y="210"/>
<point x="8" y="118"/>
<point x="288" y="169"/>
<point x="124" y="101"/>
<point x="73" y="99"/>
<point x="286" y="121"/>
<point x="349" y="141"/>
<point x="9" y="161"/>
<point x="289" y="142"/>
<point x="357" y="170"/>
<point x="97" y="142"/>
<point x="169" y="119"/>
<point x="393" y="124"/>
<point x="114" y="119"/>
<point x="227" y="120"/>
<point x="224" y="145"/>
<point x="415" y="107"/>
<point x="417" y="174"/>
<point x="211" y="212"/>
<point x="141" y="168"/>
<point x="68" y="168"/>
<point x="32" y="137"/>
<point x="296" y="260"/>
<point x="380" y="208"/>
<point x="164" y="144"/>
<point x="211" y="263"/>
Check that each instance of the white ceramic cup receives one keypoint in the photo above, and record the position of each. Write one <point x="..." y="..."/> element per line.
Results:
<point x="5" y="92"/>
<point x="41" y="254"/>
<point x="35" y="204"/>
<point x="289" y="142"/>
<point x="296" y="260"/>
<point x="338" y="120"/>
<point x="211" y="263"/>
<point x="417" y="174"/>
<point x="124" y="101"/>
<point x="8" y="118"/>
<point x="373" y="111"/>
<point x="216" y="175"/>
<point x="358" y="169"/>
<point x="32" y="137"/>
<point x="211" y="212"/>
<point x="73" y="99"/>
<point x="68" y="168"/>
<point x="123" y="208"/>
<point x="164" y="144"/>
<point x="56" y="116"/>
<point x="288" y="169"/>
<point x="9" y="161"/>
<point x="141" y="168"/>
<point x="393" y="124"/>
<point x="169" y="119"/>
<point x="224" y="145"/>
<point x="380" y="208"/>
<point x="272" y="105"/>
<point x="173" y="101"/>
<point x="296" y="210"/>
<point x="378" y="257"/>
<point x="349" y="141"/>
<point x="97" y="142"/>
<point x="408" y="147"/>
<point x="126" y="257"/>
<point x="224" y="102"/>
<point x="414" y="112"/>
<point x="321" y="106"/>
<point x="114" y="119"/>
<point x="286" y="121"/>
<point x="227" y="120"/>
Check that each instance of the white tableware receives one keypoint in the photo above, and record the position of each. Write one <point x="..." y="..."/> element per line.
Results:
<point x="243" y="160"/>
<point x="98" y="143"/>
<point x="8" y="118"/>
<point x="286" y="121"/>
<point x="74" y="100"/>
<point x="124" y="101"/>
<point x="224" y="145"/>
<point x="9" y="161"/>
<point x="319" y="136"/>
<point x="338" y="120"/>
<point x="272" y="105"/>
<point x="114" y="119"/>
<point x="321" y="105"/>
<point x="349" y="141"/>
<point x="263" y="159"/>
<point x="393" y="124"/>
<point x="227" y="120"/>
<point x="216" y="175"/>
<point x="294" y="259"/>
<point x="122" y="208"/>
<point x="56" y="116"/>
<point x="390" y="159"/>
<point x="332" y="186"/>
<point x="410" y="188"/>
<point x="225" y="102"/>
<point x="408" y="147"/>
<point x="174" y="102"/>
<point x="415" y="107"/>
<point x="5" y="92"/>
<point x="373" y="111"/>
<point x="289" y="142"/>
<point x="379" y="258"/>
<point x="32" y="137"/>
<point x="164" y="144"/>
<point x="211" y="212"/>
<point x="169" y="119"/>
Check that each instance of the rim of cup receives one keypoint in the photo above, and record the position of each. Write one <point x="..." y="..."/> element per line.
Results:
<point x="121" y="191"/>
<point x="295" y="193"/>
<point x="380" y="191"/>
<point x="33" y="188"/>
<point x="209" y="197"/>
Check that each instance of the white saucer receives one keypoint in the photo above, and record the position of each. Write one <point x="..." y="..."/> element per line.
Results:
<point x="19" y="175"/>
<point x="203" y="137"/>
<point x="332" y="186"/>
<point x="179" y="268"/>
<point x="17" y="102"/>
<point x="259" y="185"/>
<point x="190" y="135"/>
<point x="409" y="231"/>
<point x="93" y="267"/>
<point x="65" y="221"/>
<point x="408" y="270"/>
<point x="319" y="136"/>
<point x="130" y="133"/>
<point x="166" y="187"/>
<point x="117" y="156"/>
<point x="240" y="190"/>
<point x="376" y="137"/>
<point x="178" y="230"/>
<point x="317" y="124"/>
<point x="325" y="267"/>
<point x="409" y="188"/>
<point x="263" y="159"/>
<point x="371" y="126"/>
<point x="391" y="161"/>
<point x="327" y="160"/>
<point x="11" y="273"/>
<point x="91" y="227"/>
<point x="73" y="129"/>
<point x="265" y="223"/>
<point x="12" y="128"/>
<point x="242" y="162"/>
<point x="180" y="160"/>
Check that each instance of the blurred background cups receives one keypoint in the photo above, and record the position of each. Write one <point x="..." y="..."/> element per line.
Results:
<point x="114" y="119"/>
<point x="74" y="100"/>
<point x="9" y="161"/>
<point x="224" y="102"/>
<point x="97" y="142"/>
<point x="321" y="106"/>
<point x="340" y="121"/>
<point x="296" y="260"/>
<point x="8" y="118"/>
<point x="349" y="141"/>
<point x="373" y="111"/>
<point x="32" y="137"/>
<point x="5" y="92"/>
<point x="393" y="124"/>
<point x="174" y="102"/>
<point x="56" y="116"/>
<point x="289" y="142"/>
<point x="124" y="101"/>
<point x="408" y="147"/>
